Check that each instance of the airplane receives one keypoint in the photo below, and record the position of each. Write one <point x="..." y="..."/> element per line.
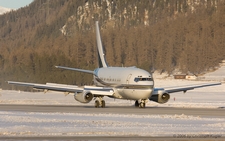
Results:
<point x="128" y="83"/>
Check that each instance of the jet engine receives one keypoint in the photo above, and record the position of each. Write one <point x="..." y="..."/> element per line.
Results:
<point x="83" y="97"/>
<point x="160" y="96"/>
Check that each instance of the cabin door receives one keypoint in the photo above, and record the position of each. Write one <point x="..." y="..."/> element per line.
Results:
<point x="128" y="78"/>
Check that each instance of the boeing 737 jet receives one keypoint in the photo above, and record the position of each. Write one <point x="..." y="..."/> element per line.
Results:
<point x="128" y="83"/>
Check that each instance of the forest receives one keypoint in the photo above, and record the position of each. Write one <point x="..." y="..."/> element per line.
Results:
<point x="162" y="35"/>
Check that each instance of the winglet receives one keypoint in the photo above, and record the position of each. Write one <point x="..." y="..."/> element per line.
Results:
<point x="101" y="55"/>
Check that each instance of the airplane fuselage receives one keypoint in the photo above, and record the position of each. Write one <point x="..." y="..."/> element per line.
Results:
<point x="128" y="82"/>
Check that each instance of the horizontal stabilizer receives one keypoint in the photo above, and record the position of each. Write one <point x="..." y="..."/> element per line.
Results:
<point x="75" y="69"/>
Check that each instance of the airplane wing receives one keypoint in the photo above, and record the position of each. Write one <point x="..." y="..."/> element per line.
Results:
<point x="102" y="91"/>
<point x="162" y="95"/>
<point x="186" y="87"/>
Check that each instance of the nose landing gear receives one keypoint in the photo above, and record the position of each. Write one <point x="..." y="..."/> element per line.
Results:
<point x="140" y="104"/>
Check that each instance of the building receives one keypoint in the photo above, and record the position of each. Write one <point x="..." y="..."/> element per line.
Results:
<point x="179" y="76"/>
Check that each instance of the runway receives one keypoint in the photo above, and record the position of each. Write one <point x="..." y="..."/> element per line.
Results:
<point x="202" y="112"/>
<point x="111" y="138"/>
<point x="84" y="122"/>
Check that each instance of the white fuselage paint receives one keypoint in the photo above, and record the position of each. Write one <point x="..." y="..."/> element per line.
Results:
<point x="122" y="79"/>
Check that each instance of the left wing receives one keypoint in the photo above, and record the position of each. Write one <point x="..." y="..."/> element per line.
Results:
<point x="188" y="87"/>
<point x="162" y="95"/>
<point x="67" y="88"/>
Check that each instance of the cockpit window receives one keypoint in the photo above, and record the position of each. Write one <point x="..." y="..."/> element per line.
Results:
<point x="142" y="79"/>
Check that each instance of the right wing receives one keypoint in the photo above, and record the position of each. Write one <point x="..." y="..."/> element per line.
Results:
<point x="96" y="91"/>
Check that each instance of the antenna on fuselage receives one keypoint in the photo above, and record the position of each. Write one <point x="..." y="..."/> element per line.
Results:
<point x="101" y="55"/>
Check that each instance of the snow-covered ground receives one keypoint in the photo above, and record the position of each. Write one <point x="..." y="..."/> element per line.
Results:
<point x="218" y="75"/>
<point x="4" y="10"/>
<point x="74" y="124"/>
<point x="86" y="124"/>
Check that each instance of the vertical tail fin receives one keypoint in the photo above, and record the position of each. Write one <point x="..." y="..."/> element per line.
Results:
<point x="101" y="55"/>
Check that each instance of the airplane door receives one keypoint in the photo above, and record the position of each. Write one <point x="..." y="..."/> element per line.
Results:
<point x="128" y="78"/>
<point x="126" y="92"/>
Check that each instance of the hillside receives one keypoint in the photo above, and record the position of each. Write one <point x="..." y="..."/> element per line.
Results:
<point x="162" y="35"/>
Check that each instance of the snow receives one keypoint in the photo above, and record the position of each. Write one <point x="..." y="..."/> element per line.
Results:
<point x="86" y="124"/>
<point x="4" y="10"/>
<point x="74" y="124"/>
<point x="218" y="75"/>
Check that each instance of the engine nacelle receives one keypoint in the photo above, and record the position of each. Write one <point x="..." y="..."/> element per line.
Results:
<point x="84" y="97"/>
<point x="160" y="96"/>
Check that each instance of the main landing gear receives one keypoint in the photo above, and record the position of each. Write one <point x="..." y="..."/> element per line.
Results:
<point x="99" y="103"/>
<point x="140" y="104"/>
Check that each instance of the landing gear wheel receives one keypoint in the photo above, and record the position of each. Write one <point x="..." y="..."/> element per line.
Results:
<point x="103" y="104"/>
<point x="97" y="104"/>
<point x="142" y="105"/>
<point x="136" y="103"/>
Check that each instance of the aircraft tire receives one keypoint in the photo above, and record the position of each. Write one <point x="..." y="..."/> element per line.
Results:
<point x="142" y="105"/>
<point x="103" y="103"/>
<point x="97" y="104"/>
<point x="136" y="104"/>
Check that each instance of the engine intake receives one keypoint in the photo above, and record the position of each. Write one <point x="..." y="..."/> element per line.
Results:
<point x="84" y="97"/>
<point x="160" y="97"/>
